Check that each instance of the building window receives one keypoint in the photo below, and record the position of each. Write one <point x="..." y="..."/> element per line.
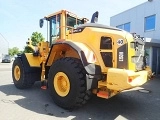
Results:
<point x="150" y="23"/>
<point x="120" y="26"/>
<point x="125" y="26"/>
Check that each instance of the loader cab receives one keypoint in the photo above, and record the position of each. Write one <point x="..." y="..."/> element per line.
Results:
<point x="61" y="23"/>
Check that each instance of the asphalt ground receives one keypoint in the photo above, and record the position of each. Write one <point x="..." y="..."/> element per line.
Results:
<point x="36" y="104"/>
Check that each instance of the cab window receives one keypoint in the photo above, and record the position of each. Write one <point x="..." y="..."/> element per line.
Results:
<point x="55" y="25"/>
<point x="55" y="28"/>
<point x="72" y="22"/>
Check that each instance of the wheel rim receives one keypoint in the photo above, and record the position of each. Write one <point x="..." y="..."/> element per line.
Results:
<point x="17" y="72"/>
<point x="61" y="84"/>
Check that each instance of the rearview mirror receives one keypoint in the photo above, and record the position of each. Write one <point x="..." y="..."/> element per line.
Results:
<point x="41" y="21"/>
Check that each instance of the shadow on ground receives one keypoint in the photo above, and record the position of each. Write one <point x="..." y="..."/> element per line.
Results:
<point x="130" y="105"/>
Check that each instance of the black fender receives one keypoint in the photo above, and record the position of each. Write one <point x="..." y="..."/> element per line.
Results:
<point x="29" y="69"/>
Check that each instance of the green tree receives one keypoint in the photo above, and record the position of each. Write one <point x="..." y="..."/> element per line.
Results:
<point x="13" y="51"/>
<point x="35" y="38"/>
<point x="27" y="50"/>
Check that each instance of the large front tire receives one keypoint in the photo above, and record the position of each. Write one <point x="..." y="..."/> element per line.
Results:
<point x="67" y="83"/>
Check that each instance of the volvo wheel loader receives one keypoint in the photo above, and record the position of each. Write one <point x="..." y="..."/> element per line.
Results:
<point x="81" y="59"/>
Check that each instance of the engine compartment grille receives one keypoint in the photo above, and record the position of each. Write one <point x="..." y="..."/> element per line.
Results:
<point x="107" y="58"/>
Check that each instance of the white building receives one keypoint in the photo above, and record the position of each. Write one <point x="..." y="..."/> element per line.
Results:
<point x="144" y="20"/>
<point x="3" y="46"/>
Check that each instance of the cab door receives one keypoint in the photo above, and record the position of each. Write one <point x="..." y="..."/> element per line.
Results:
<point x="55" y="29"/>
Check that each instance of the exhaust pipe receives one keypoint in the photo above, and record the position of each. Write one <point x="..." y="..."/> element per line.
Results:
<point x="95" y="17"/>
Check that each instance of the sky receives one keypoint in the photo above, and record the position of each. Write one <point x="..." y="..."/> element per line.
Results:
<point x="20" y="18"/>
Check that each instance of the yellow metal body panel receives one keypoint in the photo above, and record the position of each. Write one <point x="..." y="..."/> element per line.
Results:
<point x="43" y="47"/>
<point x="91" y="38"/>
<point x="131" y="52"/>
<point x="57" y="53"/>
<point x="33" y="61"/>
<point x="118" y="79"/>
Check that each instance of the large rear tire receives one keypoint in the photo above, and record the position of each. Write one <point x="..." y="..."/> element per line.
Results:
<point x="67" y="83"/>
<point x="22" y="78"/>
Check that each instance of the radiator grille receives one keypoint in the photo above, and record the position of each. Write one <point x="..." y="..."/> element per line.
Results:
<point x="107" y="58"/>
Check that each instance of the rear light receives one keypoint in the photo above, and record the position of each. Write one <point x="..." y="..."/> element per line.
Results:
<point x="130" y="79"/>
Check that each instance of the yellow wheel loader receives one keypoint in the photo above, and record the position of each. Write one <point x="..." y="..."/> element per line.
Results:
<point x="81" y="59"/>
